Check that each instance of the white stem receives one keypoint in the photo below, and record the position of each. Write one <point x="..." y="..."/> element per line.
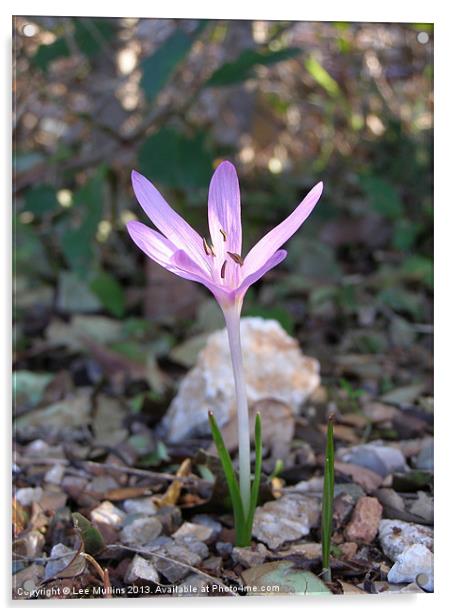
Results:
<point x="232" y="318"/>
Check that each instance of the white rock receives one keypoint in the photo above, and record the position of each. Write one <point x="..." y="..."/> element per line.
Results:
<point x="107" y="513"/>
<point x="27" y="496"/>
<point x="61" y="557"/>
<point x="414" y="561"/>
<point x="141" y="531"/>
<point x="395" y="536"/>
<point x="171" y="566"/>
<point x="207" y="520"/>
<point x="140" y="505"/>
<point x="375" y="456"/>
<point x="55" y="474"/>
<point x="287" y="519"/>
<point x="141" y="569"/>
<point x="249" y="557"/>
<point x="274" y="368"/>
<point x="199" y="531"/>
<point x="195" y="585"/>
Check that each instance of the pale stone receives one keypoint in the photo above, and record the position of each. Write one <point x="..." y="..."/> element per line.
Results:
<point x="207" y="520"/>
<point x="141" y="531"/>
<point x="375" y="456"/>
<point x="395" y="536"/>
<point x="107" y="513"/>
<point x="249" y="557"/>
<point x="27" y="496"/>
<point x="274" y="368"/>
<point x="62" y="557"/>
<point x="172" y="560"/>
<point x="287" y="519"/>
<point x="141" y="569"/>
<point x="199" y="531"/>
<point x="55" y="474"/>
<point x="140" y="505"/>
<point x="415" y="563"/>
<point x="310" y="551"/>
<point x="195" y="585"/>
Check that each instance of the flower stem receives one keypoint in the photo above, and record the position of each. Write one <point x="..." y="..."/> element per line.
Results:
<point x="232" y="318"/>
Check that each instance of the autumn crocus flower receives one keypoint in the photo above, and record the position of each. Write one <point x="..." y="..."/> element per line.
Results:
<point x="218" y="264"/>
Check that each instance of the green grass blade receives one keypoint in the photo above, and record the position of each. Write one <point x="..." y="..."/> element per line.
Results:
<point x="231" y="479"/>
<point x="257" y="472"/>
<point x="327" y="503"/>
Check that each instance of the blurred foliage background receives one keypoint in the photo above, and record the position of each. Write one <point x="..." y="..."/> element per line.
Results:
<point x="290" y="103"/>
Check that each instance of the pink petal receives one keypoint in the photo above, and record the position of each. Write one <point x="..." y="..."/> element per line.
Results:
<point x="176" y="229"/>
<point x="274" y="260"/>
<point x="185" y="267"/>
<point x="152" y="243"/>
<point x="224" y="211"/>
<point x="275" y="238"/>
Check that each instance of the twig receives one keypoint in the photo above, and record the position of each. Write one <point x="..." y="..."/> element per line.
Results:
<point x="103" y="573"/>
<point x="42" y="559"/>
<point x="87" y="464"/>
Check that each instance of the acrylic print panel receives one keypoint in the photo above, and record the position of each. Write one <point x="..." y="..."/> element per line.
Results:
<point x="222" y="308"/>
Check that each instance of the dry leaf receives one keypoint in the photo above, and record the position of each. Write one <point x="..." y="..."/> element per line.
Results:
<point x="172" y="494"/>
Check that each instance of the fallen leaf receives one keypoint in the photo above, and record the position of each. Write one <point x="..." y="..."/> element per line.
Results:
<point x="73" y="335"/>
<point x="71" y="564"/>
<point x="280" y="577"/>
<point x="404" y="395"/>
<point x="71" y="412"/>
<point x="29" y="387"/>
<point x="172" y="494"/>
<point x="92" y="540"/>
<point x="20" y="518"/>
<point x="119" y="494"/>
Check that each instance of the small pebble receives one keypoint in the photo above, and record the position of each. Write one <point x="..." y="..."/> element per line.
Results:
<point x="141" y="531"/>
<point x="27" y="496"/>
<point x="413" y="564"/>
<point x="224" y="549"/>
<point x="376" y="457"/>
<point x="207" y="520"/>
<point x="396" y="535"/>
<point x="287" y="519"/>
<point x="107" y="513"/>
<point x="194" y="545"/>
<point x="363" y="527"/>
<point x="141" y="569"/>
<point x="249" y="557"/>
<point x="55" y="474"/>
<point x="173" y="571"/>
<point x="424" y="460"/>
<point x="140" y="505"/>
<point x="199" y="531"/>
<point x="53" y="567"/>
<point x="348" y="549"/>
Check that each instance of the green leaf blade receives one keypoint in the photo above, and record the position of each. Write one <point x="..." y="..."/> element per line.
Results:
<point x="159" y="67"/>
<point x="241" y="68"/>
<point x="231" y="481"/>
<point x="257" y="472"/>
<point x="328" y="497"/>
